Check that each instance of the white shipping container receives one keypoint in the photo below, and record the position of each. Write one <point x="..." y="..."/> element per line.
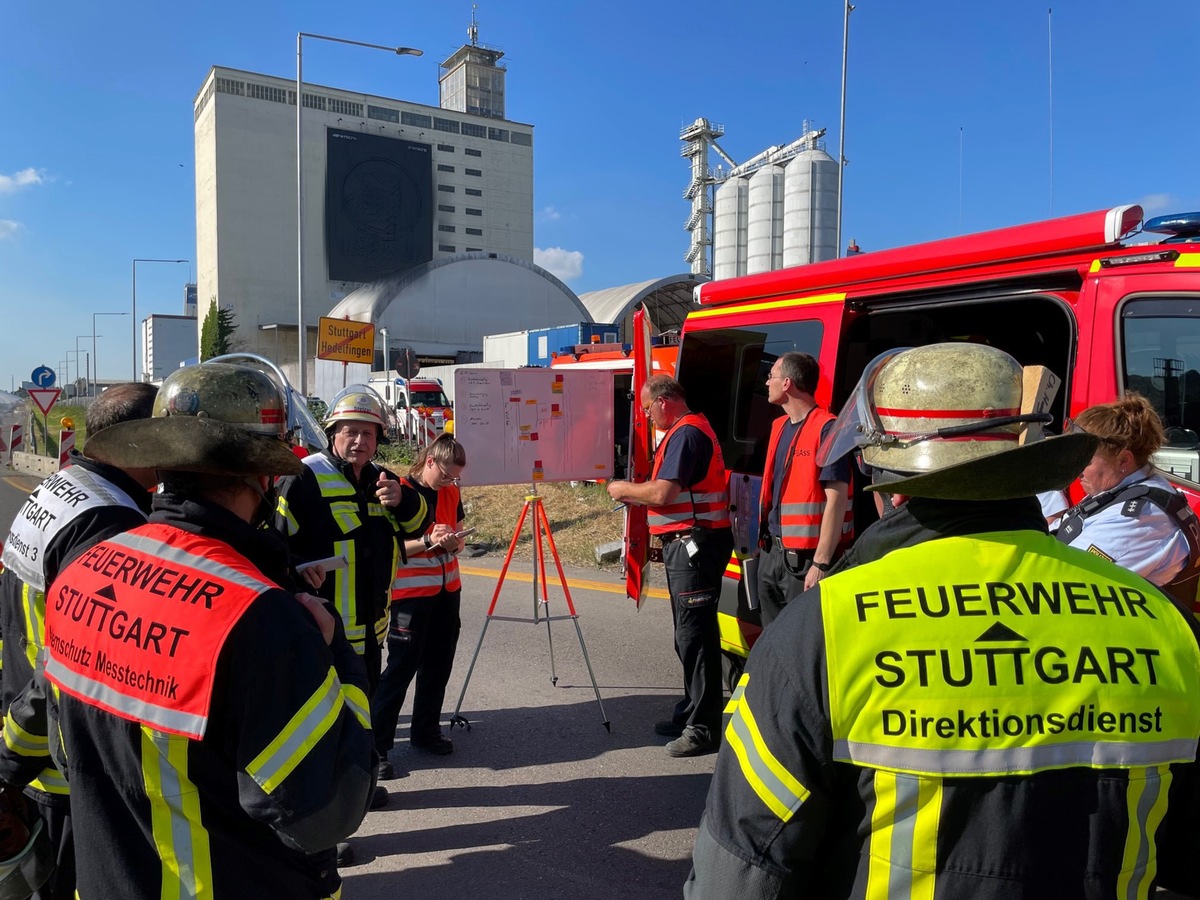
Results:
<point x="510" y="350"/>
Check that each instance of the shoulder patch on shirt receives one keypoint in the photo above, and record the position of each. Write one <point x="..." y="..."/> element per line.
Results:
<point x="1096" y="551"/>
<point x="1131" y="509"/>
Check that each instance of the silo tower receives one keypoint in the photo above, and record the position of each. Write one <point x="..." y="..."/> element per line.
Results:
<point x="776" y="209"/>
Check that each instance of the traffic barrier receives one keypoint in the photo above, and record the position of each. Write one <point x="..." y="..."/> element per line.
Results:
<point x="66" y="443"/>
<point x="427" y="429"/>
<point x="15" y="442"/>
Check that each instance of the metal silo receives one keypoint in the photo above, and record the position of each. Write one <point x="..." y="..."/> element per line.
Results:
<point x="729" y="229"/>
<point x="764" y="227"/>
<point x="810" y="208"/>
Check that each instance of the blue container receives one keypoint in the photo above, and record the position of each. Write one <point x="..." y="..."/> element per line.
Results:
<point x="559" y="338"/>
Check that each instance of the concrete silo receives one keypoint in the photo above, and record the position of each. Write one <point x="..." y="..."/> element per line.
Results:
<point x="729" y="228"/>
<point x="764" y="226"/>
<point x="810" y="208"/>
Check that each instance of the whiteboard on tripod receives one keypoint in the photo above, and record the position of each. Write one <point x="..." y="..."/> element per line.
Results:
<point x="525" y="426"/>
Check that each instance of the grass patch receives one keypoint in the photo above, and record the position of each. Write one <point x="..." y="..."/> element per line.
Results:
<point x="581" y="517"/>
<point x="53" y="424"/>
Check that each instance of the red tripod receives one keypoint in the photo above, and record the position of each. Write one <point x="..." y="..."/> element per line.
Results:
<point x="540" y="527"/>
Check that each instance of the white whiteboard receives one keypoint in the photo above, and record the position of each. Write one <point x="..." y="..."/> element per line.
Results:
<point x="522" y="426"/>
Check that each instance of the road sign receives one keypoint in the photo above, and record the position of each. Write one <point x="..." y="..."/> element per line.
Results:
<point x="45" y="398"/>
<point x="345" y="340"/>
<point x="43" y="377"/>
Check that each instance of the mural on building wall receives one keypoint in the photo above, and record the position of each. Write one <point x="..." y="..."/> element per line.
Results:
<point x="378" y="205"/>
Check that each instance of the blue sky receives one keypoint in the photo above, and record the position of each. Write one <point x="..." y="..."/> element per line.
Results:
<point x="96" y="156"/>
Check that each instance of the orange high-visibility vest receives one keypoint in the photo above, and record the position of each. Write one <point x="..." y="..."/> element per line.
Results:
<point x="802" y="500"/>
<point x="136" y="624"/>
<point x="706" y="503"/>
<point x="429" y="572"/>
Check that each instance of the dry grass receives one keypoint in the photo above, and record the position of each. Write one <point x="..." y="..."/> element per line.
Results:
<point x="580" y="517"/>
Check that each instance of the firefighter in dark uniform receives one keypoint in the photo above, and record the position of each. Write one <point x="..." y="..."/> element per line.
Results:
<point x="984" y="713"/>
<point x="84" y="503"/>
<point x="688" y="503"/>
<point x="216" y="726"/>
<point x="343" y="505"/>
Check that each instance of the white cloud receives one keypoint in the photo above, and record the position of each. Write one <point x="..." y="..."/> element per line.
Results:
<point x="564" y="264"/>
<point x="8" y="228"/>
<point x="22" y="179"/>
<point x="1158" y="203"/>
<point x="550" y="214"/>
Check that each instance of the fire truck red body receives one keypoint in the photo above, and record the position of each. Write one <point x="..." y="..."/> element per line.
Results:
<point x="1074" y="294"/>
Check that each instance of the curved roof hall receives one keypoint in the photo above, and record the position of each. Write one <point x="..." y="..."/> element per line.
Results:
<point x="455" y="299"/>
<point x="668" y="301"/>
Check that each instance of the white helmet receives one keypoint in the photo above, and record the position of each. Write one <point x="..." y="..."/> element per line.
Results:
<point x="357" y="403"/>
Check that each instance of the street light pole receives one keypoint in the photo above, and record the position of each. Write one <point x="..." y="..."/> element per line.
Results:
<point x="95" y="355"/>
<point x="842" y="128"/>
<point x="86" y="373"/>
<point x="302" y="342"/>
<point x="135" y="322"/>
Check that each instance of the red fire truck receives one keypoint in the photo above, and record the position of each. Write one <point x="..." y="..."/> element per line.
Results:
<point x="1102" y="303"/>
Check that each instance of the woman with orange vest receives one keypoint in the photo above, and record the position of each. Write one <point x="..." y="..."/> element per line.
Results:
<point x="423" y="619"/>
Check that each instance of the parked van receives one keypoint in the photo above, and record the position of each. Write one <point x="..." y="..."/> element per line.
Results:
<point x="422" y="408"/>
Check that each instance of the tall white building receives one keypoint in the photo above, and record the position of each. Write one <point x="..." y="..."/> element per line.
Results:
<point x="389" y="185"/>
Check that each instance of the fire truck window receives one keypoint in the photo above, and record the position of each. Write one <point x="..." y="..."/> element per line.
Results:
<point x="724" y="373"/>
<point x="1160" y="339"/>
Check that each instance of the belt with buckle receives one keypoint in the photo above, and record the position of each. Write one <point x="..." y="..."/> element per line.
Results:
<point x="665" y="539"/>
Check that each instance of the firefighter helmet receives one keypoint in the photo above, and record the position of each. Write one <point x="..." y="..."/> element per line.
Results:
<point x="28" y="855"/>
<point x="357" y="403"/>
<point x="213" y="418"/>
<point x="945" y="421"/>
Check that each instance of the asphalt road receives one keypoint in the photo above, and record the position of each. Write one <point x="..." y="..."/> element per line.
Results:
<point x="539" y="799"/>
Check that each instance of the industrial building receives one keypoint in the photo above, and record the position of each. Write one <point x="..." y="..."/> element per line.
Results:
<point x="389" y="186"/>
<point x="417" y="219"/>
<point x="775" y="210"/>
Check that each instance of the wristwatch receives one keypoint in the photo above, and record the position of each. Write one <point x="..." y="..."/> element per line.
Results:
<point x="824" y="567"/>
<point x="426" y="541"/>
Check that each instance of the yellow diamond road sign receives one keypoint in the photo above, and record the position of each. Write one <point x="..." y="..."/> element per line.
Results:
<point x="345" y="340"/>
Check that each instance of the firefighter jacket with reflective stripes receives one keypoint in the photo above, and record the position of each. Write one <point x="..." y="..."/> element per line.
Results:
<point x="704" y="504"/>
<point x="985" y="715"/>
<point x="285" y="767"/>
<point x="802" y="503"/>
<point x="429" y="572"/>
<point x="68" y="512"/>
<point x="324" y="511"/>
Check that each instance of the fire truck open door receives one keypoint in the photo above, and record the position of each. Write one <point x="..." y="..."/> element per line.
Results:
<point x="641" y="456"/>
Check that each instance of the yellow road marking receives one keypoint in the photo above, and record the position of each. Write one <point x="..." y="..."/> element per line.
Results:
<point x="657" y="593"/>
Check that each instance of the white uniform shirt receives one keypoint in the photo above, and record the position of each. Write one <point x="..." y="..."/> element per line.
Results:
<point x="1150" y="544"/>
<point x="1054" y="504"/>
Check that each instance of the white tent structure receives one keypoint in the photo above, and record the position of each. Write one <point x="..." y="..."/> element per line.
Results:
<point x="445" y="307"/>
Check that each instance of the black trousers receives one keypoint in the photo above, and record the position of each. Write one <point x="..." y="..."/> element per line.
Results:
<point x="422" y="638"/>
<point x="778" y="582"/>
<point x="694" y="583"/>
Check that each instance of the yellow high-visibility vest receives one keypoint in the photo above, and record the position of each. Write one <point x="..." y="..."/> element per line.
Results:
<point x="1006" y="653"/>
